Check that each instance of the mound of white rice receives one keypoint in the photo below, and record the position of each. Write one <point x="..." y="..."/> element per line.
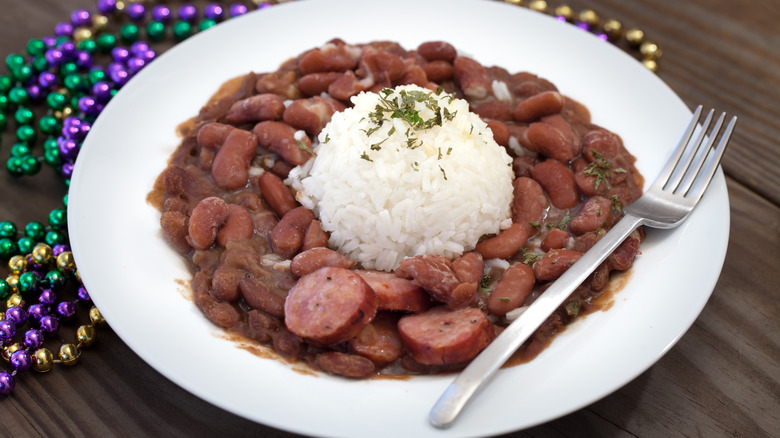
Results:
<point x="387" y="188"/>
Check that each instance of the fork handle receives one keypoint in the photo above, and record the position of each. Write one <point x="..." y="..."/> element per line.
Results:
<point x="479" y="372"/>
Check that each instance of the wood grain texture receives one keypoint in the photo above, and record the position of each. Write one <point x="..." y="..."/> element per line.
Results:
<point x="721" y="380"/>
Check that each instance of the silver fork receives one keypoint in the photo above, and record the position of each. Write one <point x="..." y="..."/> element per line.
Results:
<point x="666" y="204"/>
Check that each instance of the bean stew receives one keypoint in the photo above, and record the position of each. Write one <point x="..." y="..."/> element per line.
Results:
<point x="261" y="263"/>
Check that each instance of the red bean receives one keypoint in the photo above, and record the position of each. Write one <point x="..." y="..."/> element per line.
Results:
<point x="282" y="83"/>
<point x="256" y="108"/>
<point x="344" y="364"/>
<point x="314" y="84"/>
<point x="588" y="184"/>
<point x="174" y="227"/>
<point x="553" y="264"/>
<point x="329" y="306"/>
<point x="512" y="289"/>
<point x="439" y="71"/>
<point x="505" y="244"/>
<point x="379" y="341"/>
<point x="311" y="115"/>
<point x="500" y="132"/>
<point x="287" y="235"/>
<point x="437" y="51"/>
<point x="441" y="336"/>
<point x="330" y="57"/>
<point x="595" y="214"/>
<point x="280" y="139"/>
<point x="522" y="165"/>
<point x="237" y="226"/>
<point x="550" y="141"/>
<point x="212" y="135"/>
<point x="205" y="220"/>
<point x="381" y="66"/>
<point x="472" y="77"/>
<point x="468" y="268"/>
<point x="434" y="273"/>
<point x="224" y="284"/>
<point x="604" y="143"/>
<point x="555" y="239"/>
<point x="538" y="106"/>
<point x="260" y="297"/>
<point x="221" y="313"/>
<point x="529" y="204"/>
<point x="276" y="193"/>
<point x="310" y="260"/>
<point x="413" y="75"/>
<point x="623" y="257"/>
<point x="230" y="169"/>
<point x="493" y="110"/>
<point x="314" y="237"/>
<point x="558" y="181"/>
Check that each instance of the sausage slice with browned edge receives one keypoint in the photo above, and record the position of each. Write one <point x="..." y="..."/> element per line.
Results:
<point x="329" y="305"/>
<point x="441" y="336"/>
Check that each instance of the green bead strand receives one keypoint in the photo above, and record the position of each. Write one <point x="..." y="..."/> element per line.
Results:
<point x="58" y="218"/>
<point x="25" y="245"/>
<point x="7" y="229"/>
<point x="55" y="279"/>
<point x="24" y="115"/>
<point x="35" y="47"/>
<point x="181" y="30"/>
<point x="18" y="95"/>
<point x="8" y="248"/>
<point x="35" y="230"/>
<point x="155" y="30"/>
<point x="25" y="133"/>
<point x="56" y="101"/>
<point x="49" y="125"/>
<point x="28" y="282"/>
<point x="20" y="150"/>
<point x="129" y="33"/>
<point x="105" y="42"/>
<point x="55" y="238"/>
<point x="5" y="289"/>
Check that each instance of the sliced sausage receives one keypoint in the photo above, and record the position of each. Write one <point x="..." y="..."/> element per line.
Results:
<point x="329" y="306"/>
<point x="396" y="293"/>
<point x="441" y="336"/>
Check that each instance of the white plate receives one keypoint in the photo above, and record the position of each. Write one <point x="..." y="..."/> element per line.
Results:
<point x="138" y="287"/>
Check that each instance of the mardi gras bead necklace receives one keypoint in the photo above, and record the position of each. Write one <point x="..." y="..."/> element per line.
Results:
<point x="54" y="90"/>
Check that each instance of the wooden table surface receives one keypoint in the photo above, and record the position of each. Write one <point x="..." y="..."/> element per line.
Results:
<point x="722" y="379"/>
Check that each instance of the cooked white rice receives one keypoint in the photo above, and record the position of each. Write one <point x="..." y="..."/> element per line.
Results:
<point x="383" y="200"/>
